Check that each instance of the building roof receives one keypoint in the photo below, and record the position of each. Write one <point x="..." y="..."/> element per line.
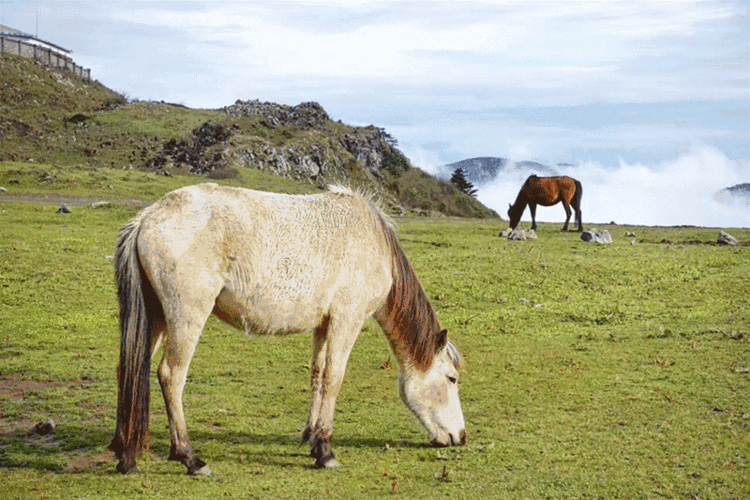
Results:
<point x="9" y="32"/>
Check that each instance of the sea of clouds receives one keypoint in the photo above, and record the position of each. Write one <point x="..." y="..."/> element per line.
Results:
<point x="680" y="191"/>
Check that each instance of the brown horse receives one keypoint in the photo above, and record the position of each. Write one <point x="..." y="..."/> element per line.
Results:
<point x="547" y="191"/>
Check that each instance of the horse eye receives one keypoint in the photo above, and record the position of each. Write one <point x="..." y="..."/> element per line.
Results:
<point x="452" y="380"/>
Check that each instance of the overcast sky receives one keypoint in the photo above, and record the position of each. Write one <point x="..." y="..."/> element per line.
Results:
<point x="602" y="83"/>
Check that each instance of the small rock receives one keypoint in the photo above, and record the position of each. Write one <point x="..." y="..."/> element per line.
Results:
<point x="519" y="234"/>
<point x="99" y="204"/>
<point x="726" y="239"/>
<point x="597" y="236"/>
<point x="45" y="428"/>
<point x="64" y="209"/>
<point x="3" y="189"/>
<point x="630" y="234"/>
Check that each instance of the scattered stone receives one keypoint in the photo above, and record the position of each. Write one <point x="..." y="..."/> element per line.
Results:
<point x="519" y="234"/>
<point x="3" y="190"/>
<point x="45" y="428"/>
<point x="597" y="236"/>
<point x="630" y="234"/>
<point x="505" y="233"/>
<point x="64" y="209"/>
<point x="726" y="239"/>
<point x="99" y="204"/>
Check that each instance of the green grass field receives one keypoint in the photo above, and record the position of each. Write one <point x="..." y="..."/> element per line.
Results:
<point x="591" y="371"/>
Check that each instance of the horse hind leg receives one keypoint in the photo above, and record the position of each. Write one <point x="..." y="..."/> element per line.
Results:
<point x="339" y="341"/>
<point x="316" y="378"/>
<point x="568" y="212"/>
<point x="180" y="341"/>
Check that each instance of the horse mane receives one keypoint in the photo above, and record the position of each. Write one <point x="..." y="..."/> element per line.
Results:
<point x="407" y="315"/>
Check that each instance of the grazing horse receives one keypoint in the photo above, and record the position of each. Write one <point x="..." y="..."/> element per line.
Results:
<point x="547" y="191"/>
<point x="272" y="263"/>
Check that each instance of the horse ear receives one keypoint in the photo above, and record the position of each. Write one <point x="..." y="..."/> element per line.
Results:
<point x="510" y="206"/>
<point x="442" y="339"/>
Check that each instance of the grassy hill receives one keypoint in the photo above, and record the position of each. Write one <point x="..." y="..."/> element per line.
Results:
<point x="64" y="123"/>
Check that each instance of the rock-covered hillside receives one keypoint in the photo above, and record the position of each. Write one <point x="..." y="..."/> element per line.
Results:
<point x="51" y="116"/>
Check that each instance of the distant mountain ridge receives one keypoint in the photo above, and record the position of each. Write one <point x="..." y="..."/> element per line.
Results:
<point x="485" y="168"/>
<point x="735" y="194"/>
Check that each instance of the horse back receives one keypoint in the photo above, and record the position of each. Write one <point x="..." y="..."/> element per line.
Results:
<point x="547" y="191"/>
<point x="265" y="262"/>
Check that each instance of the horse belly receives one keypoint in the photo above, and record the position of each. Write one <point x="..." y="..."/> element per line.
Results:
<point x="268" y="312"/>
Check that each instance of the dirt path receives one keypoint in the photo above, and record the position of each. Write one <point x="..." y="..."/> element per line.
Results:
<point x="54" y="199"/>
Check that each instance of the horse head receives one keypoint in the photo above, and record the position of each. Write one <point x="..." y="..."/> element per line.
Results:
<point x="433" y="395"/>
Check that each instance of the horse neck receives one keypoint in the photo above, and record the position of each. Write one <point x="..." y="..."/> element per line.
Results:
<point x="516" y="210"/>
<point x="406" y="317"/>
<point x="521" y="201"/>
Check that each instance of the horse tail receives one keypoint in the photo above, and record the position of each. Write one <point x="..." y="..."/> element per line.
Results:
<point x="578" y="195"/>
<point x="139" y="309"/>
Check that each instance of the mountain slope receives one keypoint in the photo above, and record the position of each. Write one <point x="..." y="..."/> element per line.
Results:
<point x="52" y="116"/>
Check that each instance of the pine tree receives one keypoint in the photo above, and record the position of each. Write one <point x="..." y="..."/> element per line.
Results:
<point x="459" y="180"/>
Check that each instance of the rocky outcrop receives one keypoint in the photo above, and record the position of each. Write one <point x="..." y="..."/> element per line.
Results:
<point x="316" y="158"/>
<point x="301" y="116"/>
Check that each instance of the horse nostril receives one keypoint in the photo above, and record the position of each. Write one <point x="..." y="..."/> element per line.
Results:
<point x="462" y="436"/>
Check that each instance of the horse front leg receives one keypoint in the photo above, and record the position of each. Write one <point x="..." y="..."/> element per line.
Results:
<point x="532" y="209"/>
<point x="339" y="342"/>
<point x="178" y="352"/>
<point x="568" y="212"/>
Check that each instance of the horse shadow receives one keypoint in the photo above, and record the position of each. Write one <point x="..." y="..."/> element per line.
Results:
<point x="279" y="449"/>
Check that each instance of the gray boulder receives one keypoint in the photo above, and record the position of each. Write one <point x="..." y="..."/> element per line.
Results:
<point x="597" y="236"/>
<point x="726" y="239"/>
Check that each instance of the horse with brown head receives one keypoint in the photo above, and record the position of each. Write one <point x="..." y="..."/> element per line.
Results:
<point x="547" y="191"/>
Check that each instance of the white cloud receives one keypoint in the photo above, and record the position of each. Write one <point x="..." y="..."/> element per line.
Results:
<point x="545" y="52"/>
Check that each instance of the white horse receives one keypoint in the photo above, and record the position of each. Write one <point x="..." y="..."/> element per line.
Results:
<point x="272" y="263"/>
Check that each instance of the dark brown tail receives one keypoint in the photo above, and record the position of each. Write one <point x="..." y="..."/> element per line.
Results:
<point x="576" y="202"/>
<point x="139" y="309"/>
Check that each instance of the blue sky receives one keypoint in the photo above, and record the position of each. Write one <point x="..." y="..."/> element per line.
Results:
<point x="609" y="84"/>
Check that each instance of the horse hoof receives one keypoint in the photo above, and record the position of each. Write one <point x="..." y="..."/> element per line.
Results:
<point x="203" y="471"/>
<point x="125" y="471"/>
<point x="327" y="463"/>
